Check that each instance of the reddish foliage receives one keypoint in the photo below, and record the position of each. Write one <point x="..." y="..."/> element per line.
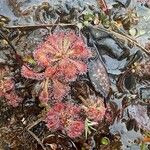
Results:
<point x="50" y="72"/>
<point x="65" y="117"/>
<point x="28" y="73"/>
<point x="13" y="99"/>
<point x="53" y="120"/>
<point x="75" y="129"/>
<point x="66" y="51"/>
<point x="44" y="96"/>
<point x="57" y="91"/>
<point x="5" y="86"/>
<point x="95" y="109"/>
<point x="7" y="89"/>
<point x="111" y="113"/>
<point x="64" y="56"/>
<point x="102" y="4"/>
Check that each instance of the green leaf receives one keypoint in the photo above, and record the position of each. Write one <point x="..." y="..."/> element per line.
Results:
<point x="105" y="141"/>
<point x="88" y="17"/>
<point x="89" y="126"/>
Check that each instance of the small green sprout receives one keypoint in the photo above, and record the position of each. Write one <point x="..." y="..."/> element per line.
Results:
<point x="89" y="126"/>
<point x="105" y="141"/>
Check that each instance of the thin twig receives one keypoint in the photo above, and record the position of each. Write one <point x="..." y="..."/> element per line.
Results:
<point x="83" y="100"/>
<point x="35" y="123"/>
<point x="33" y="135"/>
<point x="38" y="26"/>
<point x="37" y="139"/>
<point x="123" y="36"/>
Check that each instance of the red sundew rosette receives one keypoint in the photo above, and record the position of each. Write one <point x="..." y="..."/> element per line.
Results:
<point x="65" y="117"/>
<point x="27" y="72"/>
<point x="94" y="109"/>
<point x="66" y="51"/>
<point x="75" y="129"/>
<point x="6" y="85"/>
<point x="12" y="99"/>
<point x="64" y="57"/>
<point x="7" y="89"/>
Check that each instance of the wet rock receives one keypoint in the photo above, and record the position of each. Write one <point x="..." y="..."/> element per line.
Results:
<point x="112" y="48"/>
<point x="136" y="57"/>
<point x="145" y="93"/>
<point x="127" y="82"/>
<point x="96" y="33"/>
<point x="106" y="43"/>
<point x="113" y="66"/>
<point x="130" y="82"/>
<point x="139" y="113"/>
<point x="127" y="137"/>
